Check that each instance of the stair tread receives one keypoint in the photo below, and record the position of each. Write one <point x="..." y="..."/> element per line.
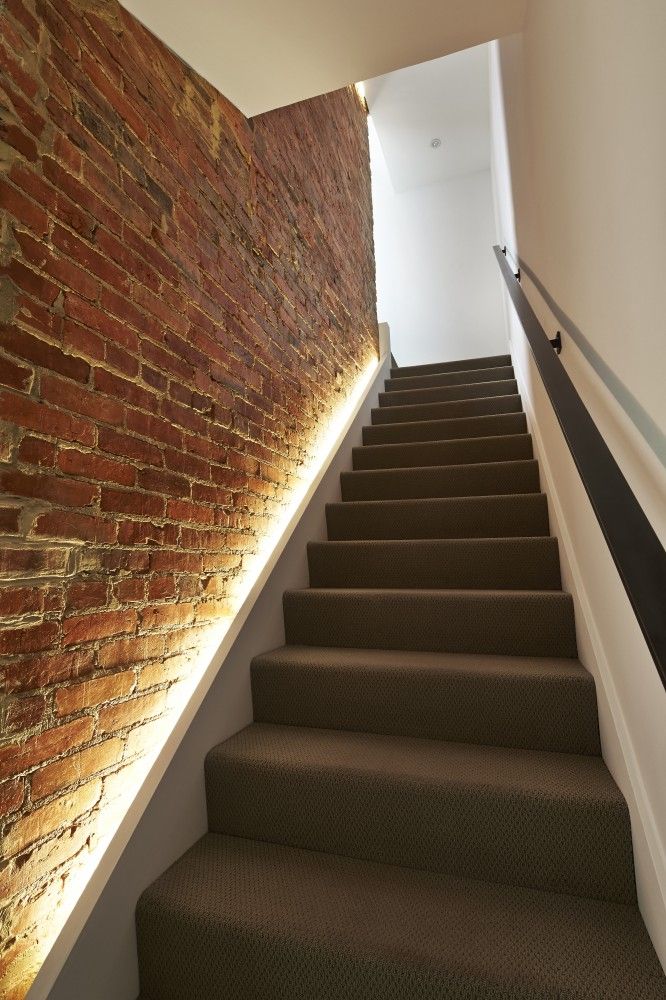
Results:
<point x="554" y="821"/>
<point x="307" y="924"/>
<point x="464" y="376"/>
<point x="467" y="450"/>
<point x="476" y="406"/>
<point x="443" y="480"/>
<point x="465" y="364"/>
<point x="445" y="393"/>
<point x="326" y="657"/>
<point x="570" y="778"/>
<point x="483" y="425"/>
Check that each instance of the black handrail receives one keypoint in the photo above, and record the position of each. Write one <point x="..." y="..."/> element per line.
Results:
<point x="636" y="550"/>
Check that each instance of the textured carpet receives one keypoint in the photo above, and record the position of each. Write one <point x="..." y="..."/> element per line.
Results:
<point x="449" y="378"/>
<point x="504" y="516"/>
<point x="420" y="810"/>
<point x="538" y="703"/>
<point x="242" y="920"/>
<point x="441" y="394"/>
<point x="496" y="448"/>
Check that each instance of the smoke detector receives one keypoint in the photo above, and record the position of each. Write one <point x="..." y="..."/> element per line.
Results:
<point x="435" y="143"/>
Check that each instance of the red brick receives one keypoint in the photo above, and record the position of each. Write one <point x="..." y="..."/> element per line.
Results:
<point x="97" y="625"/>
<point x="36" y="451"/>
<point x="93" y="692"/>
<point x="18" y="757"/>
<point x="161" y="588"/>
<point x="12" y="794"/>
<point x="56" y="489"/>
<point x="129" y="447"/>
<point x="19" y="601"/>
<point x="30" y="639"/>
<point x="59" y="814"/>
<point x="74" y="768"/>
<point x="128" y="652"/>
<point x="130" y="590"/>
<point x="23" y="209"/>
<point x="21" y="344"/>
<point x="35" y="416"/>
<point x="9" y="520"/>
<point x="24" y="713"/>
<point x="86" y="594"/>
<point x="82" y="527"/>
<point x="166" y="615"/>
<point x="91" y="466"/>
<point x="15" y="376"/>
<point x="127" y="713"/>
<point x="132" y="502"/>
<point x="163" y="482"/>
<point x="81" y="400"/>
<point x="38" y="672"/>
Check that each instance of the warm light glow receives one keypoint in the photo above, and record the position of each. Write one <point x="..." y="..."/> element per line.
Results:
<point x="360" y="90"/>
<point x="109" y="815"/>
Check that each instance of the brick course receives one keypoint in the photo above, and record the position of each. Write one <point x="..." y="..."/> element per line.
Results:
<point x="185" y="296"/>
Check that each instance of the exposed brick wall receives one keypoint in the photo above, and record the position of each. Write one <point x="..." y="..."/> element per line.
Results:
<point x="184" y="297"/>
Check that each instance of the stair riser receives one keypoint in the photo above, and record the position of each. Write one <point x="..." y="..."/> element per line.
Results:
<point x="290" y="924"/>
<point x="467" y="830"/>
<point x="443" y="411"/>
<point x="466" y="450"/>
<point x="460" y="517"/>
<point x="441" y="481"/>
<point x="505" y="623"/>
<point x="477" y="390"/>
<point x="450" y="378"/>
<point x="532" y="712"/>
<point x="469" y="364"/>
<point x="523" y="564"/>
<point x="446" y="430"/>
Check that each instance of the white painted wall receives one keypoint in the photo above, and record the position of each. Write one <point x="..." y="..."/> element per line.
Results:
<point x="579" y="152"/>
<point x="438" y="286"/>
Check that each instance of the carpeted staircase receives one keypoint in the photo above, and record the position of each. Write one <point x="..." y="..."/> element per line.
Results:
<point x="420" y="810"/>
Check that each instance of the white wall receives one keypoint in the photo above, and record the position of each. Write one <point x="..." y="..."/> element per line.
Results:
<point x="582" y="91"/>
<point x="437" y="282"/>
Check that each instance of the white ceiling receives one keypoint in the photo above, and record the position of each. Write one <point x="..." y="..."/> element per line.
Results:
<point x="447" y="99"/>
<point x="264" y="54"/>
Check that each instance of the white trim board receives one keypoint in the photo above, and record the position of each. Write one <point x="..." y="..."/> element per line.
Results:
<point x="95" y="953"/>
<point x="619" y="749"/>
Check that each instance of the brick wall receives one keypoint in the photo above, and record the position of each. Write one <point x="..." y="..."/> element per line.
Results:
<point x="184" y="297"/>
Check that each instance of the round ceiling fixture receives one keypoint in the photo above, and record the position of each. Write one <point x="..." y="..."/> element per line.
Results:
<point x="435" y="143"/>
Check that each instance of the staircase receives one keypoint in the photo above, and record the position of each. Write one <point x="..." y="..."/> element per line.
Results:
<point x="420" y="810"/>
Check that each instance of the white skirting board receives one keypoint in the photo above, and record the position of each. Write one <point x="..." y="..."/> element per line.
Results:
<point x="95" y="955"/>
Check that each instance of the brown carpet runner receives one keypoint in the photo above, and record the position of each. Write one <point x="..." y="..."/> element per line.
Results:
<point x="420" y="810"/>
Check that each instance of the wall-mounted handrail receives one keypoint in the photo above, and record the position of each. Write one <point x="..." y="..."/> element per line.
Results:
<point x="638" y="554"/>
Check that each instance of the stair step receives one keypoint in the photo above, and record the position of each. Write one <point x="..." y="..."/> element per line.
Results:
<point x="468" y="364"/>
<point x="437" y="564"/>
<point x="444" y="394"/>
<point x="239" y="919"/>
<point x="478" y="479"/>
<point x="537" y="703"/>
<point x="496" y="448"/>
<point x="555" y="822"/>
<point x="442" y="411"/>
<point x="518" y="514"/>
<point x="445" y="430"/>
<point x="449" y="378"/>
<point x="513" y="623"/>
